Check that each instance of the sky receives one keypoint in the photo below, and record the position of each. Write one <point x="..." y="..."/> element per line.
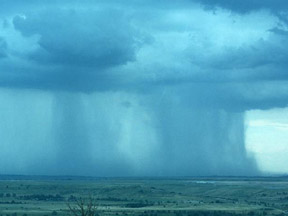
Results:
<point x="143" y="88"/>
<point x="266" y="138"/>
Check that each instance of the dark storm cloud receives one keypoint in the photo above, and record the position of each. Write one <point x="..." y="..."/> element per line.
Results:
<point x="90" y="38"/>
<point x="245" y="6"/>
<point x="262" y="60"/>
<point x="73" y="49"/>
<point x="112" y="46"/>
<point x="279" y="31"/>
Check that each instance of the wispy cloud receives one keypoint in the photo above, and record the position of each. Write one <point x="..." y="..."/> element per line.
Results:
<point x="265" y="123"/>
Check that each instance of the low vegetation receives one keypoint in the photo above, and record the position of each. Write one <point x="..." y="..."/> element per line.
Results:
<point x="145" y="197"/>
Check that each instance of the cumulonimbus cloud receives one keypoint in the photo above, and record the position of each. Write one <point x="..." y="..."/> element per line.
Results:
<point x="137" y="83"/>
<point x="92" y="48"/>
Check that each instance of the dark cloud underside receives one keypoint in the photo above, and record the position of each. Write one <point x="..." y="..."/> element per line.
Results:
<point x="245" y="6"/>
<point x="88" y="38"/>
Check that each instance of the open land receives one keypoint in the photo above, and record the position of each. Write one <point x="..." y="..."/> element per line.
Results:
<point x="48" y="196"/>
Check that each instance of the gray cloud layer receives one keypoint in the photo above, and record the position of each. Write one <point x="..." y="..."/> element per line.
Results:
<point x="108" y="46"/>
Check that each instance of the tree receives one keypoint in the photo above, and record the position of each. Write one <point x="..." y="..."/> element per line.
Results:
<point x="83" y="207"/>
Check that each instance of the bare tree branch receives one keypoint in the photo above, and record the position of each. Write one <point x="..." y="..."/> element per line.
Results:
<point x="83" y="207"/>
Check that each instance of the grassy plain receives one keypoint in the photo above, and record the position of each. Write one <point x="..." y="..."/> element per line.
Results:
<point x="35" y="196"/>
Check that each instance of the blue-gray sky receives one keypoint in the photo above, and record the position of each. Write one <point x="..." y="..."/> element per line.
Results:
<point x="137" y="87"/>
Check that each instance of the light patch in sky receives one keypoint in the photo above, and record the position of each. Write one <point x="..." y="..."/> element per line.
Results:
<point x="267" y="138"/>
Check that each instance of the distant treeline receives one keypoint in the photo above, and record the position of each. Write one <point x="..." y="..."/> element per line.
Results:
<point x="42" y="197"/>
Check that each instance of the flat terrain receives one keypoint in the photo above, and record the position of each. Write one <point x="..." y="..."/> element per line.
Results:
<point x="35" y="196"/>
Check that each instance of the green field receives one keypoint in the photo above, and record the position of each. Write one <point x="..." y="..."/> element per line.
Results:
<point x="187" y="196"/>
